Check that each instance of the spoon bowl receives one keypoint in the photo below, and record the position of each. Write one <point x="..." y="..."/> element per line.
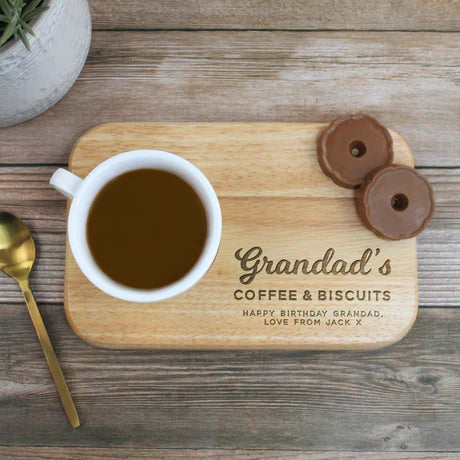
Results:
<point x="17" y="248"/>
<point x="17" y="257"/>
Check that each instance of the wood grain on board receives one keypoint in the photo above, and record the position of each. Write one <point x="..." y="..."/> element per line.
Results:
<point x="402" y="398"/>
<point x="272" y="14"/>
<point x="410" y="82"/>
<point x="275" y="199"/>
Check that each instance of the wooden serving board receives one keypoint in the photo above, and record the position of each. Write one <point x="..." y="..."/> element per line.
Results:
<point x="276" y="202"/>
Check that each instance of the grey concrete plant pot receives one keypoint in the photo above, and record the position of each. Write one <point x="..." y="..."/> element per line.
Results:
<point x="33" y="81"/>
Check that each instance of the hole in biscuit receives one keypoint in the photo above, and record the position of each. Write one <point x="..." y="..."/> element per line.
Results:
<point x="399" y="202"/>
<point x="357" y="149"/>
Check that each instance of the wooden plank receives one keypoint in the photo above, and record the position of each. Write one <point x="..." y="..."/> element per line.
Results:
<point x="385" y="400"/>
<point x="71" y="453"/>
<point x="267" y="159"/>
<point x="25" y="191"/>
<point x="409" y="83"/>
<point x="269" y="14"/>
<point x="439" y="246"/>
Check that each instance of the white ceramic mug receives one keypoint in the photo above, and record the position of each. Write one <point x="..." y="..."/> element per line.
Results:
<point x="82" y="192"/>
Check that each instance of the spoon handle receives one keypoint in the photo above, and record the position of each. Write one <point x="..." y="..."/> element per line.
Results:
<point x="50" y="356"/>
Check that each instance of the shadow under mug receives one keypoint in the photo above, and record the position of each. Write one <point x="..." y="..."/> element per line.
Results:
<point x="82" y="192"/>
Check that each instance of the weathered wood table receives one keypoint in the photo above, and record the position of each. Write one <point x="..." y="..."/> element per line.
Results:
<point x="209" y="60"/>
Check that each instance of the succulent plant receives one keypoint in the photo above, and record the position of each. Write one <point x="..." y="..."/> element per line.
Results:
<point x="15" y="16"/>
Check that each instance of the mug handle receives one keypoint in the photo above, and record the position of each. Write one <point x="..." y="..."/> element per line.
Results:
<point x="65" y="182"/>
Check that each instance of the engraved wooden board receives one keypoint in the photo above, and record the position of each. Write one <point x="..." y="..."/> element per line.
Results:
<point x="274" y="197"/>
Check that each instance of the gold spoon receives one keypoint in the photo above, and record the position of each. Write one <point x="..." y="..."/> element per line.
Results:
<point x="17" y="255"/>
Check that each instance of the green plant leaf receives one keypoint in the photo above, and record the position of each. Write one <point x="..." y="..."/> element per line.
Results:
<point x="10" y="30"/>
<point x="17" y="3"/>
<point x="36" y="12"/>
<point x="31" y="6"/>
<point x="15" y="16"/>
<point x="24" y="39"/>
<point x="26" y="27"/>
<point x="6" y="8"/>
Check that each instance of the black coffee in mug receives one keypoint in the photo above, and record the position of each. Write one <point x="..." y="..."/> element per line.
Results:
<point x="146" y="228"/>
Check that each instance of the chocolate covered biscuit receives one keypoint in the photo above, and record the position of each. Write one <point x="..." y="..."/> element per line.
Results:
<point x="351" y="147"/>
<point x="396" y="202"/>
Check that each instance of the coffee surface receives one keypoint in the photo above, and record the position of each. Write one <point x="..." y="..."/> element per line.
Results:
<point x="146" y="228"/>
